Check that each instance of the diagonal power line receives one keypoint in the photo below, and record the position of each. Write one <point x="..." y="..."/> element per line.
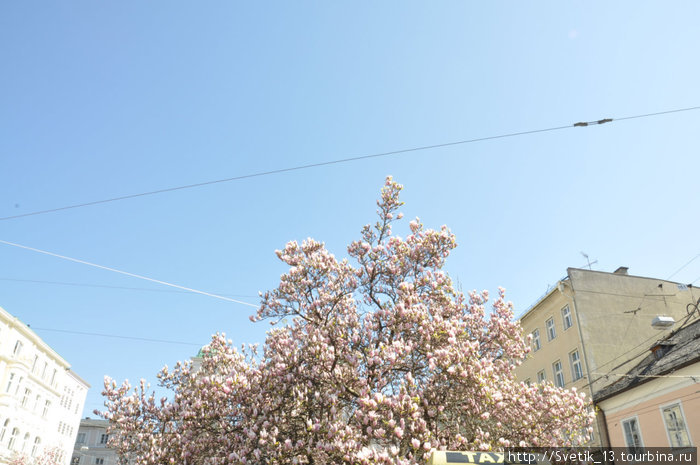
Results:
<point x="277" y="171"/>
<point x="345" y="160"/>
<point x="107" y="286"/>
<point x="133" y="275"/>
<point x="115" y="336"/>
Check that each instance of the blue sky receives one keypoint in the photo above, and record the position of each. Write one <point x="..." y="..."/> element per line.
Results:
<point x="100" y="100"/>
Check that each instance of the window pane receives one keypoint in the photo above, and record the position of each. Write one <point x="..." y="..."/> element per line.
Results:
<point x="558" y="374"/>
<point x="566" y="317"/>
<point x="576" y="370"/>
<point x="536" y="345"/>
<point x="675" y="425"/>
<point x="551" y="331"/>
<point x="632" y="436"/>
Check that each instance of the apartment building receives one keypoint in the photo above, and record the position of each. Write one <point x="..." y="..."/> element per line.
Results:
<point x="593" y="323"/>
<point x="41" y="399"/>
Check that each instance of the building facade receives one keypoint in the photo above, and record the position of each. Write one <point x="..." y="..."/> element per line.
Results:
<point x="656" y="403"/>
<point x="41" y="399"/>
<point x="91" y="444"/>
<point x="593" y="323"/>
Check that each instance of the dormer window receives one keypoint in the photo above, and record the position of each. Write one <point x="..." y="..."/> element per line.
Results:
<point x="659" y="350"/>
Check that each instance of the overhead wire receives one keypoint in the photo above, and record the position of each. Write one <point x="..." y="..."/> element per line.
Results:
<point x="346" y="160"/>
<point x="106" y="286"/>
<point x="126" y="273"/>
<point x="658" y="113"/>
<point x="681" y="268"/>
<point x="277" y="171"/>
<point x="653" y="336"/>
<point x="115" y="336"/>
<point x="282" y="170"/>
<point x="604" y="375"/>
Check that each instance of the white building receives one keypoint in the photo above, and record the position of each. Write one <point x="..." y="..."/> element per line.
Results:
<point x="41" y="399"/>
<point x="91" y="444"/>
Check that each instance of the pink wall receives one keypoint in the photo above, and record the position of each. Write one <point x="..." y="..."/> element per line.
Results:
<point x="650" y="419"/>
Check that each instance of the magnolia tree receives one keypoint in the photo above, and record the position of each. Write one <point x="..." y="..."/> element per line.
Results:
<point x="50" y="456"/>
<point x="381" y="361"/>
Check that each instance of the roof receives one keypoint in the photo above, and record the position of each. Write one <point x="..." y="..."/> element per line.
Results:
<point x="677" y="350"/>
<point x="550" y="290"/>
<point x="98" y="422"/>
<point x="75" y="376"/>
<point x="24" y="329"/>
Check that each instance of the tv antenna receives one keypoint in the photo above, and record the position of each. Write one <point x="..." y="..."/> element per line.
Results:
<point x="588" y="260"/>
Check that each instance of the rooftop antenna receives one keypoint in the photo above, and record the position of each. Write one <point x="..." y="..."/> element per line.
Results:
<point x="588" y="260"/>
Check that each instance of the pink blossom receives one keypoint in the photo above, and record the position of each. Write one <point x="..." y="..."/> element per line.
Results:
<point x="382" y="362"/>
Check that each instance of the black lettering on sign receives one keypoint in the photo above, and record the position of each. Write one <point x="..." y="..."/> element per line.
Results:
<point x="473" y="457"/>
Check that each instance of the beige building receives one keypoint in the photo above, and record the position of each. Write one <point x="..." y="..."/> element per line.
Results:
<point x="656" y="403"/>
<point x="593" y="323"/>
<point x="41" y="399"/>
<point x="91" y="444"/>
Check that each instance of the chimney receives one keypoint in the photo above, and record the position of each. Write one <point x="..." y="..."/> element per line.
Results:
<point x="621" y="270"/>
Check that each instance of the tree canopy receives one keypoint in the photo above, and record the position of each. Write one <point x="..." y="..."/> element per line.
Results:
<point x="381" y="361"/>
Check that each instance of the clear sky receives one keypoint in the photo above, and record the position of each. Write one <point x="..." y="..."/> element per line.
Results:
<point x="104" y="99"/>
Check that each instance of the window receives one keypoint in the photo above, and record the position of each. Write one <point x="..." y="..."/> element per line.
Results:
<point x="99" y="461"/>
<point x="104" y="438"/>
<point x="528" y="382"/>
<point x="633" y="437"/>
<point x="558" y="374"/>
<point x="19" y="383"/>
<point x="47" y="404"/>
<point x="36" y="359"/>
<point x="4" y="429"/>
<point x="53" y="377"/>
<point x="81" y="438"/>
<point x="566" y="318"/>
<point x="35" y="447"/>
<point x="675" y="426"/>
<point x="551" y="332"/>
<point x="37" y="402"/>
<point x="25" y="442"/>
<point x="43" y="371"/>
<point x="26" y="396"/>
<point x="9" y="383"/>
<point x="541" y="377"/>
<point x="13" y="438"/>
<point x="536" y="344"/>
<point x="18" y="349"/>
<point x="576" y="370"/>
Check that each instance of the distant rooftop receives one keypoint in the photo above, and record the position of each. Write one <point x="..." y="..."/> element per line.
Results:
<point x="620" y="271"/>
<point x="94" y="422"/>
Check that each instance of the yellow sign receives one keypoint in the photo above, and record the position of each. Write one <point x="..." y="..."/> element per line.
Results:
<point x="442" y="457"/>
